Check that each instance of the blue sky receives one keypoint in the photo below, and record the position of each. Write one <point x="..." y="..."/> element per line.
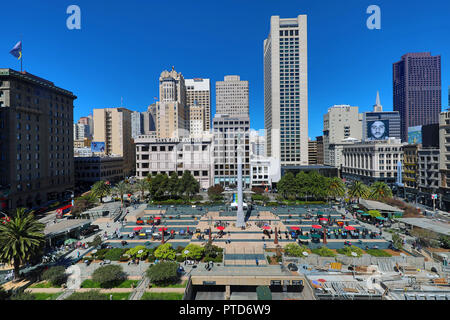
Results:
<point x="123" y="46"/>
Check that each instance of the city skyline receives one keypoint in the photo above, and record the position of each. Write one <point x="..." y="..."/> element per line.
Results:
<point x="351" y="81"/>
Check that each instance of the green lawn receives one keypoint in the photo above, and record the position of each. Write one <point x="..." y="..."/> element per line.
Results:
<point x="162" y="296"/>
<point x="119" y="295"/>
<point x="378" y="253"/>
<point x="176" y="285"/>
<point x="44" y="284"/>
<point x="46" y="296"/>
<point x="88" y="283"/>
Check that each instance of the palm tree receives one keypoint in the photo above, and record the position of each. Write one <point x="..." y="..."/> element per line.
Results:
<point x="101" y="189"/>
<point x="380" y="190"/>
<point x="358" y="190"/>
<point x="141" y="186"/>
<point x="336" y="188"/>
<point x="21" y="240"/>
<point x="120" y="189"/>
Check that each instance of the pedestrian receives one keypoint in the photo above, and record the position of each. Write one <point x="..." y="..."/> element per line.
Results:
<point x="78" y="254"/>
<point x="257" y="262"/>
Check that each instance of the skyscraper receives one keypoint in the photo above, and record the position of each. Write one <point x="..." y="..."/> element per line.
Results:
<point x="232" y="97"/>
<point x="286" y="90"/>
<point x="171" y="112"/>
<point x="199" y="90"/>
<point x="36" y="140"/>
<point x="417" y="90"/>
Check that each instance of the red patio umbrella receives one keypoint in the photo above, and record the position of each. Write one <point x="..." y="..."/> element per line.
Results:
<point x="350" y="228"/>
<point x="316" y="226"/>
<point x="158" y="218"/>
<point x="220" y="228"/>
<point x="162" y="229"/>
<point x="266" y="227"/>
<point x="321" y="280"/>
<point x="323" y="219"/>
<point x="295" y="228"/>
<point x="137" y="229"/>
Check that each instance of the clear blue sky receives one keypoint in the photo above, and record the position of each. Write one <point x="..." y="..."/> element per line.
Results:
<point x="124" y="45"/>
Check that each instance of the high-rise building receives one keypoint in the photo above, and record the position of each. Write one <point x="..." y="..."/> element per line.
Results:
<point x="417" y="90"/>
<point x="257" y="143"/>
<point x="341" y="126"/>
<point x="379" y="124"/>
<point x="444" y="159"/>
<point x="149" y="121"/>
<point x="231" y="134"/>
<point x="137" y="124"/>
<point x="171" y="113"/>
<point x="89" y="122"/>
<point x="312" y="152"/>
<point x="232" y="97"/>
<point x="36" y="140"/>
<point x="113" y="127"/>
<point x="319" y="141"/>
<point x="199" y="90"/>
<point x="286" y="90"/>
<point x="81" y="131"/>
<point x="196" y="119"/>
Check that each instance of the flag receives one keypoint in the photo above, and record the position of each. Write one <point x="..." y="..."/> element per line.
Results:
<point x="17" y="50"/>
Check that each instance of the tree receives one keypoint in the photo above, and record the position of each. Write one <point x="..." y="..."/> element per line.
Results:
<point x="55" y="275"/>
<point x="195" y="252"/>
<point x="101" y="189"/>
<point x="83" y="203"/>
<point x="21" y="240"/>
<point x="358" y="190"/>
<point x="189" y="184"/>
<point x="287" y="185"/>
<point x="165" y="252"/>
<point x="263" y="293"/>
<point x="141" y="186"/>
<point x="173" y="185"/>
<point x="336" y="188"/>
<point x="258" y="190"/>
<point x="215" y="192"/>
<point x="294" y="250"/>
<point x="109" y="276"/>
<point x="163" y="273"/>
<point x="379" y="191"/>
<point x="120" y="189"/>
<point x="397" y="241"/>
<point x="158" y="185"/>
<point x="96" y="242"/>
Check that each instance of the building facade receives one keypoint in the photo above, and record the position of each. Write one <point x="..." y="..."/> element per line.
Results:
<point x="165" y="156"/>
<point x="196" y="119"/>
<point x="265" y="172"/>
<point x="257" y="143"/>
<point x="444" y="159"/>
<point x="417" y="90"/>
<point x="286" y="90"/>
<point x="231" y="135"/>
<point x="411" y="170"/>
<point x="429" y="175"/>
<point x="199" y="90"/>
<point x="341" y="122"/>
<point x="137" y="124"/>
<point x="171" y="113"/>
<point x="36" y="140"/>
<point x="113" y="127"/>
<point x="379" y="124"/>
<point x="312" y="152"/>
<point x="319" y="142"/>
<point x="232" y="97"/>
<point x="90" y="169"/>
<point x="371" y="161"/>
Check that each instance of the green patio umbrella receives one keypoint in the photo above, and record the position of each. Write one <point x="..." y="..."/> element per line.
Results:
<point x="303" y="237"/>
<point x="70" y="241"/>
<point x="365" y="214"/>
<point x="315" y="235"/>
<point x="360" y="211"/>
<point x="148" y="243"/>
<point x="381" y="218"/>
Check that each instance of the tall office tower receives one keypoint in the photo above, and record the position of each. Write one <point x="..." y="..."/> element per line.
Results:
<point x="172" y="115"/>
<point x="231" y="134"/>
<point x="417" y="90"/>
<point x="199" y="90"/>
<point x="319" y="142"/>
<point x="196" y="119"/>
<point x="257" y="143"/>
<point x="381" y="125"/>
<point x="342" y="122"/>
<point x="312" y="152"/>
<point x="149" y="119"/>
<point x="286" y="90"/>
<point x="36" y="140"/>
<point x="81" y="131"/>
<point x="113" y="127"/>
<point x="232" y="97"/>
<point x="89" y="122"/>
<point x="137" y="124"/>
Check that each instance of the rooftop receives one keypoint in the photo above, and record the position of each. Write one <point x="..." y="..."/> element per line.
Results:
<point x="429" y="224"/>
<point x="376" y="205"/>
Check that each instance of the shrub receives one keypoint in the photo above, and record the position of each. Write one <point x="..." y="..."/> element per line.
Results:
<point x="180" y="249"/>
<point x="445" y="242"/>
<point x="323" y="252"/>
<point x="100" y="254"/>
<point x="55" y="275"/>
<point x="109" y="276"/>
<point x="133" y="252"/>
<point x="151" y="259"/>
<point x="397" y="241"/>
<point x="163" y="273"/>
<point x="294" y="250"/>
<point x="89" y="295"/>
<point x="114" y="254"/>
<point x="165" y="252"/>
<point x="195" y="252"/>
<point x="96" y="242"/>
<point x="21" y="295"/>
<point x="179" y="258"/>
<point x="263" y="293"/>
<point x="348" y="251"/>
